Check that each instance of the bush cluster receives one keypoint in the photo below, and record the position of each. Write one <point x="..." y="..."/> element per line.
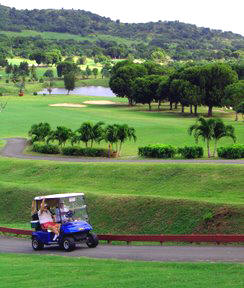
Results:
<point x="45" y="148"/>
<point x="235" y="151"/>
<point x="157" y="151"/>
<point x="191" y="152"/>
<point x="168" y="151"/>
<point x="89" y="152"/>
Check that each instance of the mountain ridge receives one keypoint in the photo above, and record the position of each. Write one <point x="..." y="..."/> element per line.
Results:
<point x="180" y="40"/>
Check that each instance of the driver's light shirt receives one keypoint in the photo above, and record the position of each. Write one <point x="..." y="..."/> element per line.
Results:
<point x="62" y="216"/>
<point x="45" y="217"/>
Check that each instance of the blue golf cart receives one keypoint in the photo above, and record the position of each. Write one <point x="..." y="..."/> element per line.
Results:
<point x="70" y="211"/>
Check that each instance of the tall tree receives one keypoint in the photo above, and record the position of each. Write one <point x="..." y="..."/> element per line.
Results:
<point x="122" y="77"/>
<point x="145" y="89"/>
<point x="163" y="92"/>
<point x="69" y="82"/>
<point x="234" y="95"/>
<point x="214" y="79"/>
<point x="66" y="67"/>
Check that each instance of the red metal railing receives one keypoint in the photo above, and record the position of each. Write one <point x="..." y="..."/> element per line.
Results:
<point x="218" y="238"/>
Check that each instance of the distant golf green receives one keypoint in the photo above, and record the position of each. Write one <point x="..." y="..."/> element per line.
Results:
<point x="151" y="127"/>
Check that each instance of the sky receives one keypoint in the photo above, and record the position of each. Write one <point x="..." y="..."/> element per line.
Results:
<point x="225" y="15"/>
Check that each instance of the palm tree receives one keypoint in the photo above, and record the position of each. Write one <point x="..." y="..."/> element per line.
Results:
<point x="85" y="132"/>
<point x="97" y="132"/>
<point x="118" y="134"/>
<point x="203" y="129"/>
<point x="39" y="132"/>
<point x="221" y="130"/>
<point x="90" y="133"/>
<point x="125" y="133"/>
<point x="61" y="134"/>
<point x="111" y="135"/>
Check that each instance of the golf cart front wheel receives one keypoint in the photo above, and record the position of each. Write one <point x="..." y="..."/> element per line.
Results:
<point x="68" y="244"/>
<point x="36" y="244"/>
<point x="92" y="240"/>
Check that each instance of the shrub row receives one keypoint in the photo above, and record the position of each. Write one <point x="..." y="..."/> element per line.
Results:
<point x="45" y="148"/>
<point x="235" y="151"/>
<point x="191" y="152"/>
<point x="157" y="151"/>
<point x="168" y="151"/>
<point x="89" y="152"/>
<point x="69" y="151"/>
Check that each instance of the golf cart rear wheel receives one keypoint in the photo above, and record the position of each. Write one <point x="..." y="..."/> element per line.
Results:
<point x="92" y="240"/>
<point x="68" y="244"/>
<point x="36" y="244"/>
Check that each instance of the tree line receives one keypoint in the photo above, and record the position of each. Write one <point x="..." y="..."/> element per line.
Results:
<point x="191" y="85"/>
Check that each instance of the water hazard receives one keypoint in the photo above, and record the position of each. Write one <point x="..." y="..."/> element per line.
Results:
<point x="86" y="91"/>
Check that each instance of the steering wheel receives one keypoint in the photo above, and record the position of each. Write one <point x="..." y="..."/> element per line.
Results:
<point x="69" y="214"/>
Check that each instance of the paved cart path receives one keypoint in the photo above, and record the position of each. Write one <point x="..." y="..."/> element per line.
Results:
<point x="15" y="147"/>
<point x="143" y="253"/>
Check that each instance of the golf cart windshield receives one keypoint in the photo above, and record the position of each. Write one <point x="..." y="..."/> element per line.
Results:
<point x="71" y="209"/>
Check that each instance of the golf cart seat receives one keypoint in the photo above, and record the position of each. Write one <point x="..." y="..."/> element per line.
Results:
<point x="35" y="223"/>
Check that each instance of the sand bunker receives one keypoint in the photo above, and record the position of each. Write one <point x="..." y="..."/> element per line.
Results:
<point x="100" y="102"/>
<point x="71" y="105"/>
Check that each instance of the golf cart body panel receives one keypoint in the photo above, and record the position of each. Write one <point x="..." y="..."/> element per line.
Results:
<point x="71" y="213"/>
<point x="74" y="227"/>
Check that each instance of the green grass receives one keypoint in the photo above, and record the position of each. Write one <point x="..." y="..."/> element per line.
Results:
<point x="196" y="182"/>
<point x="154" y="199"/>
<point x="175" y="196"/>
<point x="17" y="60"/>
<point x="55" y="271"/>
<point x="151" y="127"/>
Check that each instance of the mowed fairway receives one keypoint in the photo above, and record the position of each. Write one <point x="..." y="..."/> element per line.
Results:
<point x="52" y="271"/>
<point x="151" y="127"/>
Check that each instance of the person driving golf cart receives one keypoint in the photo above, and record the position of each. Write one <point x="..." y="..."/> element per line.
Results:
<point x="62" y="213"/>
<point x="73" y="227"/>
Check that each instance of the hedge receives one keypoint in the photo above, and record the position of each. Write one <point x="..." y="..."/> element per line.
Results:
<point x="235" y="151"/>
<point x="157" y="151"/>
<point x="191" y="152"/>
<point x="45" y="148"/>
<point x="89" y="152"/>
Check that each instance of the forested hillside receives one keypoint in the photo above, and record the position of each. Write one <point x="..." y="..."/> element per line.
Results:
<point x="178" y="40"/>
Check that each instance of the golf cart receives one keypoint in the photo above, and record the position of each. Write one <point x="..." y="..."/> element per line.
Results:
<point x="70" y="211"/>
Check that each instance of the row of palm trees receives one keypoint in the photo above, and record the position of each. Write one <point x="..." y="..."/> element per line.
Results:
<point x="88" y="133"/>
<point x="211" y="130"/>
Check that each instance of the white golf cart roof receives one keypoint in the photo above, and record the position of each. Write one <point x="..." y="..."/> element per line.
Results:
<point x="55" y="196"/>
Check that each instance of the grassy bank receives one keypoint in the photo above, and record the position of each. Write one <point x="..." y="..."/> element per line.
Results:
<point x="133" y="215"/>
<point x="72" y="272"/>
<point x="195" y="182"/>
<point x="154" y="199"/>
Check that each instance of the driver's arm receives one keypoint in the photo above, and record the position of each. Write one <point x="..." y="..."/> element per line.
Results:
<point x="42" y="205"/>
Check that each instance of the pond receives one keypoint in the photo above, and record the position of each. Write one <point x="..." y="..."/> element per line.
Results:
<point x="87" y="91"/>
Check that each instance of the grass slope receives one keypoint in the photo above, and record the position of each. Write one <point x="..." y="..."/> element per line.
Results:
<point x="196" y="182"/>
<point x="154" y="199"/>
<point x="72" y="272"/>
